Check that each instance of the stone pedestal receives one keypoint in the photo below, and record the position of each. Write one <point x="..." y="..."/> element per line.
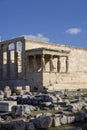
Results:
<point x="18" y="90"/>
<point x="7" y="91"/>
<point x="26" y="89"/>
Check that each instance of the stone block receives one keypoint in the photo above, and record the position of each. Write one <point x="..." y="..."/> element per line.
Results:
<point x="13" y="125"/>
<point x="5" y="106"/>
<point x="56" y="121"/>
<point x="30" y="126"/>
<point x="70" y="119"/>
<point x="43" y="122"/>
<point x="20" y="110"/>
<point x="18" y="90"/>
<point x="7" y="91"/>
<point x="63" y="120"/>
<point x="26" y="89"/>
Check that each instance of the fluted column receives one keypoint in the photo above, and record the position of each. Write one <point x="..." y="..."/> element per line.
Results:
<point x="43" y="63"/>
<point x="34" y="63"/>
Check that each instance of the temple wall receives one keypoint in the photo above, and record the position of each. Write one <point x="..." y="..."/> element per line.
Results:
<point x="76" y="76"/>
<point x="35" y="80"/>
<point x="57" y="81"/>
<point x="12" y="62"/>
<point x="77" y="67"/>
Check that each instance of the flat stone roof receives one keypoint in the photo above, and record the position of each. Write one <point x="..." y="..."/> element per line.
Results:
<point x="46" y="51"/>
<point x="42" y="48"/>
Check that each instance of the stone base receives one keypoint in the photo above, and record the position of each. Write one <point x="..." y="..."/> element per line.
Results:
<point x="68" y="86"/>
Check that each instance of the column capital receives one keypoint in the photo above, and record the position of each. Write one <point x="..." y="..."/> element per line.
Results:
<point x="43" y="55"/>
<point x="67" y="58"/>
<point x="51" y="56"/>
<point x="58" y="58"/>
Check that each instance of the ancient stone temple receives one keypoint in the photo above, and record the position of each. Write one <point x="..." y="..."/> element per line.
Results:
<point x="42" y="66"/>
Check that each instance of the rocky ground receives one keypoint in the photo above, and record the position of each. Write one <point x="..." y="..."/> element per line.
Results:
<point x="59" y="110"/>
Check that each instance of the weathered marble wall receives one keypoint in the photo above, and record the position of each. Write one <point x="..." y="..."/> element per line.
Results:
<point x="77" y="68"/>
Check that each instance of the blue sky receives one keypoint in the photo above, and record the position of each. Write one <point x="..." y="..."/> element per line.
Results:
<point x="58" y="21"/>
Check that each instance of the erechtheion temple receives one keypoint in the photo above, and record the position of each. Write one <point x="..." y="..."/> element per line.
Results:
<point x="42" y="66"/>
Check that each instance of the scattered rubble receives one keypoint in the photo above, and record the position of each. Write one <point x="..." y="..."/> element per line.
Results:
<point x="20" y="110"/>
<point x="16" y="111"/>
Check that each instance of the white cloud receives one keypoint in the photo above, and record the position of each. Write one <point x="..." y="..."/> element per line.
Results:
<point x="73" y="31"/>
<point x="38" y="37"/>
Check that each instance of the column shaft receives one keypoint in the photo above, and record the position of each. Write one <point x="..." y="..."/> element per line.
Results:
<point x="24" y="61"/>
<point x="8" y="62"/>
<point x="67" y="64"/>
<point x="51" y="63"/>
<point x="15" y="61"/>
<point x="58" y="64"/>
<point x="43" y="63"/>
<point x="34" y="63"/>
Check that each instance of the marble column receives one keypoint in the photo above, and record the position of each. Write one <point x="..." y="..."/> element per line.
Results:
<point x="51" y="63"/>
<point x="24" y="61"/>
<point x="43" y="63"/>
<point x="8" y="62"/>
<point x="34" y="63"/>
<point x="15" y="60"/>
<point x="67" y="64"/>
